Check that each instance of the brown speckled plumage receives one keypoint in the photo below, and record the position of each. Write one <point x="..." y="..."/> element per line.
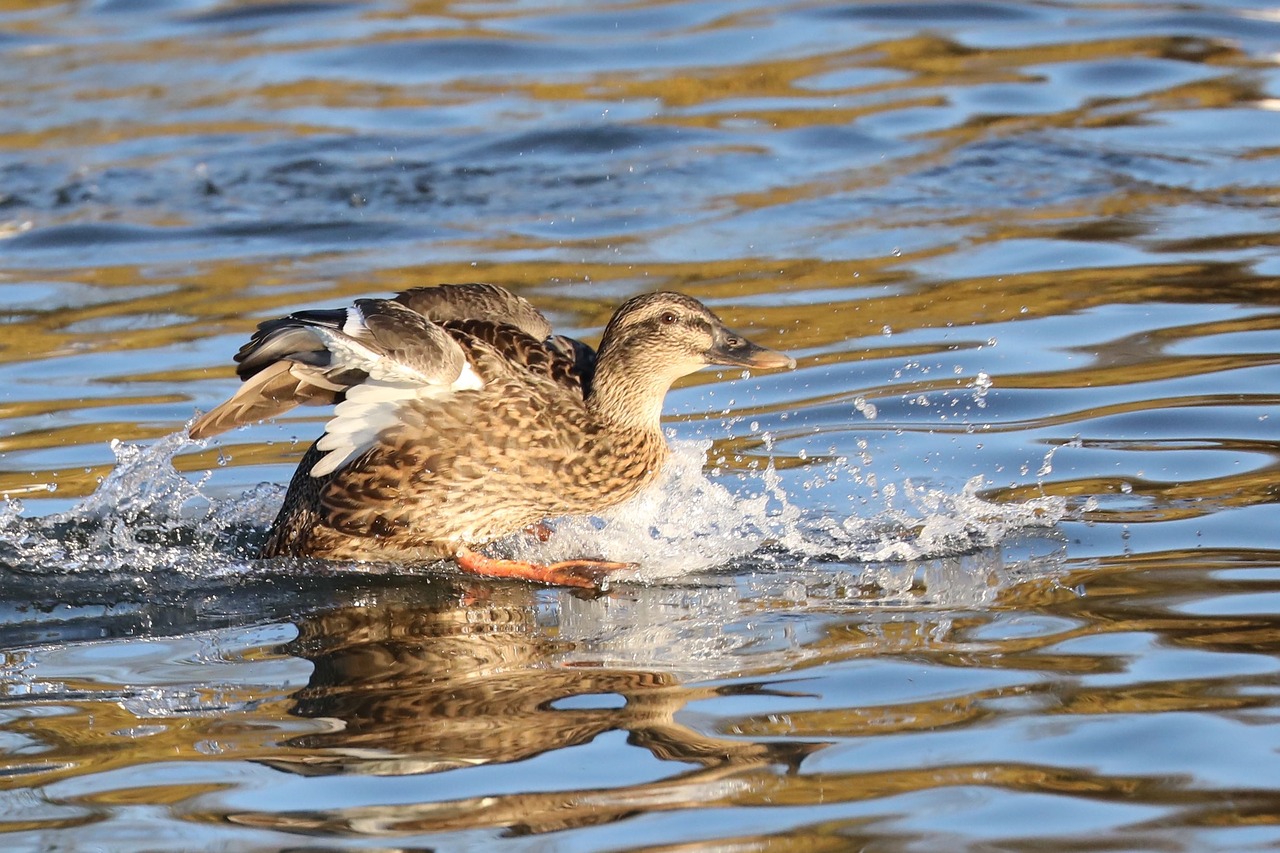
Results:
<point x="551" y="430"/>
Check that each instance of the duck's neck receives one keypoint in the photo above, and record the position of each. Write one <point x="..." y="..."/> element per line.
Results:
<point x="628" y="396"/>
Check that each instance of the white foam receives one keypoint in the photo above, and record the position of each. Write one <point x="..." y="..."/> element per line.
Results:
<point x="692" y="522"/>
<point x="688" y="523"/>
<point x="912" y="544"/>
<point x="144" y="516"/>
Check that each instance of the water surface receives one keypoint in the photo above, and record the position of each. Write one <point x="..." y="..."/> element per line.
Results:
<point x="995" y="568"/>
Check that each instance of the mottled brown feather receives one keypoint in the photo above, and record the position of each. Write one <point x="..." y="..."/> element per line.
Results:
<point x="501" y="347"/>
<point x="445" y="302"/>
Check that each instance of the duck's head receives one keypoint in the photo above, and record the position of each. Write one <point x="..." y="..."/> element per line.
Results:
<point x="656" y="338"/>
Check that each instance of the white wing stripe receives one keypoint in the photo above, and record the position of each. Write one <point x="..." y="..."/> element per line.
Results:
<point x="372" y="407"/>
<point x="355" y="326"/>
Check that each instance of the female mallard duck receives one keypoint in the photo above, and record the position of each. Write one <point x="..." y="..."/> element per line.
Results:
<point x="460" y="419"/>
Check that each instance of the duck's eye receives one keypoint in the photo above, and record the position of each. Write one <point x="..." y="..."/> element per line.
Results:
<point x="668" y="319"/>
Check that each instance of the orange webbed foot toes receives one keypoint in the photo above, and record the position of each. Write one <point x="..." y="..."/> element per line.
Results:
<point x="594" y="571"/>
<point x="583" y="574"/>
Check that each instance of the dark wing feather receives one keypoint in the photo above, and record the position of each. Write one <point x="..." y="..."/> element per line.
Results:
<point x="283" y="365"/>
<point x="288" y="338"/>
<point x="445" y="302"/>
<point x="581" y="357"/>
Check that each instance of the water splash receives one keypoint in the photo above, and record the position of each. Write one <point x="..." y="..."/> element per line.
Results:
<point x="143" y="517"/>
<point x="689" y="524"/>
<point x="981" y="385"/>
<point x="693" y="523"/>
<point x="146" y="518"/>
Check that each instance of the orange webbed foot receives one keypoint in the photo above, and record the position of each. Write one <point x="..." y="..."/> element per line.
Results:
<point x="583" y="574"/>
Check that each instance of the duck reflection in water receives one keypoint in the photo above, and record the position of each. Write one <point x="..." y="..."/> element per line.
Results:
<point x="468" y="676"/>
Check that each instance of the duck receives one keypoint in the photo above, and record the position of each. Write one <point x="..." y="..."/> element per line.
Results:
<point x="459" y="418"/>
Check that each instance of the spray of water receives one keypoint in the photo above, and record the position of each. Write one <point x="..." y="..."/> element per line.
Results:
<point x="143" y="517"/>
<point x="146" y="517"/>
<point x="693" y="523"/>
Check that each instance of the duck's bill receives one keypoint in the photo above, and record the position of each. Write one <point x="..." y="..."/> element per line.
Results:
<point x="736" y="351"/>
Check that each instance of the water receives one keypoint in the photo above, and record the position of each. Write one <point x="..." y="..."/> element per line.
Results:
<point x="995" y="568"/>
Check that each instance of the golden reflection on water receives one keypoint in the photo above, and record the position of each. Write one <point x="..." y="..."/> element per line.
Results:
<point x="228" y="299"/>
<point x="439" y="678"/>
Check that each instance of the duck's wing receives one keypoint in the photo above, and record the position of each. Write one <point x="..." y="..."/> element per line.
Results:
<point x="498" y="348"/>
<point x="286" y="363"/>
<point x="475" y="301"/>
<point x="292" y="361"/>
<point x="377" y="347"/>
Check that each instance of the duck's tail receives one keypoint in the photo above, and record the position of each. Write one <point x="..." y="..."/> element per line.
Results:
<point x="272" y="391"/>
<point x="285" y="364"/>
